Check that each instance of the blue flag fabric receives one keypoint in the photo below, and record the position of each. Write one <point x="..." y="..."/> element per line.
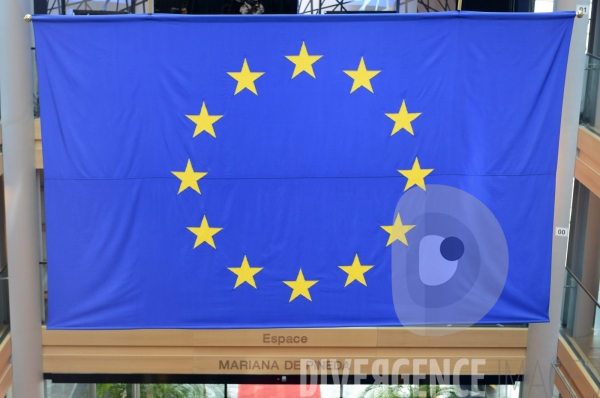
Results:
<point x="299" y="171"/>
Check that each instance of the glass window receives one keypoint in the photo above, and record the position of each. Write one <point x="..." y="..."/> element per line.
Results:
<point x="122" y="390"/>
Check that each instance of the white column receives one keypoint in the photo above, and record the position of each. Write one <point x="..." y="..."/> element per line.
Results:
<point x="136" y="390"/>
<point x="16" y="91"/>
<point x="542" y="340"/>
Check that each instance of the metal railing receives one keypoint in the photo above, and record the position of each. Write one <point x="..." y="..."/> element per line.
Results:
<point x="590" y="295"/>
<point x="562" y="378"/>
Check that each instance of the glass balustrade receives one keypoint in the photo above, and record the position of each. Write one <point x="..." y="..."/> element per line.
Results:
<point x="580" y="323"/>
<point x="590" y="103"/>
<point x="4" y="308"/>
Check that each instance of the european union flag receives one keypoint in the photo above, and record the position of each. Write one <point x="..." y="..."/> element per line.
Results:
<point x="300" y="171"/>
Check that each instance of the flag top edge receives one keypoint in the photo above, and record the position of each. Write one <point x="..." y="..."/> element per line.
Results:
<point x="527" y="16"/>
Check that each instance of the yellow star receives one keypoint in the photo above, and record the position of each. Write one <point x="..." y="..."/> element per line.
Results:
<point x="204" y="121"/>
<point x="416" y="175"/>
<point x="204" y="233"/>
<point x="303" y="62"/>
<point x="397" y="231"/>
<point x="245" y="78"/>
<point x="362" y="77"/>
<point x="300" y="286"/>
<point x="403" y="119"/>
<point x="245" y="273"/>
<point x="356" y="271"/>
<point x="189" y="178"/>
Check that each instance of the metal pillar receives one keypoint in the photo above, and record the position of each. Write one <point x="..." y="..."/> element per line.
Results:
<point x="16" y="90"/>
<point x="542" y="340"/>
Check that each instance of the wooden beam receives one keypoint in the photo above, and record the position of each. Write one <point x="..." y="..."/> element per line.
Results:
<point x="5" y="351"/>
<point x="6" y="380"/>
<point x="587" y="165"/>
<point x="37" y="133"/>
<point x="587" y="176"/>
<point x="588" y="144"/>
<point x="574" y="371"/>
<point x="471" y="337"/>
<point x="326" y="337"/>
<point x="276" y="351"/>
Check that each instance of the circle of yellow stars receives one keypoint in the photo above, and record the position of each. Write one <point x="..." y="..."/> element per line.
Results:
<point x="246" y="80"/>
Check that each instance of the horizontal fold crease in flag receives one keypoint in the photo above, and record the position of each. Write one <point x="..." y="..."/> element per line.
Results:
<point x="300" y="171"/>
